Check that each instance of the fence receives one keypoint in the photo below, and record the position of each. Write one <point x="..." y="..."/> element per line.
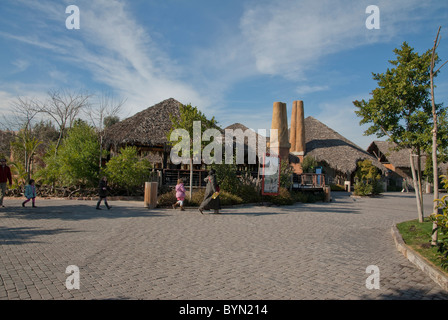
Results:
<point x="308" y="180"/>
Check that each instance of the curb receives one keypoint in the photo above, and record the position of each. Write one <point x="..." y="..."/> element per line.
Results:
<point x="437" y="276"/>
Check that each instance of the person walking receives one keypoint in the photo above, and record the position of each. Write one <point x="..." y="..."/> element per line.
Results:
<point x="5" y="176"/>
<point x="180" y="195"/>
<point x="103" y="193"/>
<point x="211" y="196"/>
<point x="30" y="193"/>
<point x="405" y="185"/>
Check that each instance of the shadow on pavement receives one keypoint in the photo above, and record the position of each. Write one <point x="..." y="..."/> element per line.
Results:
<point x="411" y="294"/>
<point x="80" y="212"/>
<point x="12" y="236"/>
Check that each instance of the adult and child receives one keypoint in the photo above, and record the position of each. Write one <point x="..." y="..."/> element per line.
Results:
<point x="211" y="196"/>
<point x="30" y="188"/>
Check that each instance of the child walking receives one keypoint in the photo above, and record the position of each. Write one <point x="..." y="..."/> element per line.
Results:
<point x="180" y="195"/>
<point x="30" y="193"/>
<point x="103" y="192"/>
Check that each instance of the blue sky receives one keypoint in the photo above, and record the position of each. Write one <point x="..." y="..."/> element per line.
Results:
<point x="232" y="59"/>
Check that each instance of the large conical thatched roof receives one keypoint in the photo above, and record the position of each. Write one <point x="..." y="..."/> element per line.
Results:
<point x="148" y="127"/>
<point x="326" y="145"/>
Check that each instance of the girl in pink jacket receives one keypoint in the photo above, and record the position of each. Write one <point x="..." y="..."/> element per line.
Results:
<point x="180" y="195"/>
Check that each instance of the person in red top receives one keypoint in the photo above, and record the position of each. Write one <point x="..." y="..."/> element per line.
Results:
<point x="5" y="176"/>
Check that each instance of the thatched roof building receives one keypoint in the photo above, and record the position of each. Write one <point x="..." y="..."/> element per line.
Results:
<point x="328" y="146"/>
<point x="398" y="160"/>
<point x="148" y="128"/>
<point x="389" y="155"/>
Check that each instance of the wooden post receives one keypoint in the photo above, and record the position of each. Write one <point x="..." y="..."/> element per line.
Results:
<point x="327" y="193"/>
<point x="150" y="195"/>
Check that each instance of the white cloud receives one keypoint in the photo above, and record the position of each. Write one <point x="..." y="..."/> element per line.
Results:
<point x="305" y="89"/>
<point x="290" y="37"/>
<point x="115" y="49"/>
<point x="340" y="116"/>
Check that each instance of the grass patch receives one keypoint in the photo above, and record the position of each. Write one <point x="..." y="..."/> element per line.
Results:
<point x="418" y="236"/>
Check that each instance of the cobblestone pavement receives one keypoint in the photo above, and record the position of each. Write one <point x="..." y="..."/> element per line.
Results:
<point x="305" y="251"/>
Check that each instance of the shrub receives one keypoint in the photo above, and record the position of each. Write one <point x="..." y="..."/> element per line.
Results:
<point x="128" y="170"/>
<point x="442" y="226"/>
<point x="362" y="188"/>
<point x="248" y="193"/>
<point x="367" y="179"/>
<point x="228" y="199"/>
<point x="308" y="197"/>
<point x="167" y="199"/>
<point x="336" y="187"/>
<point x="284" y="197"/>
<point x="308" y="164"/>
<point x="197" y="197"/>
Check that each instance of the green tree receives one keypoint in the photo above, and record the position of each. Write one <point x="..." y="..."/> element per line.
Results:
<point x="367" y="179"/>
<point x="190" y="115"/>
<point x="400" y="108"/>
<point x="128" y="170"/>
<point x="76" y="161"/>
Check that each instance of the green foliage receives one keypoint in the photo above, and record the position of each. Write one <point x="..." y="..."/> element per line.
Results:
<point x="227" y="177"/>
<point x="286" y="172"/>
<point x="249" y="193"/>
<point x="76" y="162"/>
<point x="362" y="188"/>
<point x="50" y="173"/>
<point x="307" y="197"/>
<point x="78" y="156"/>
<point x="337" y="187"/>
<point x="188" y="116"/>
<point x="308" y="164"/>
<point x="19" y="175"/>
<point x="110" y="120"/>
<point x="367" y="179"/>
<point x="284" y="197"/>
<point x="442" y="225"/>
<point x="24" y="147"/>
<point x="128" y="170"/>
<point x="400" y="106"/>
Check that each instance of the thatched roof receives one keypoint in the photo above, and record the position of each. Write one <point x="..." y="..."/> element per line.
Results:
<point x="243" y="128"/>
<point x="148" y="127"/>
<point x="326" y="145"/>
<point x="387" y="152"/>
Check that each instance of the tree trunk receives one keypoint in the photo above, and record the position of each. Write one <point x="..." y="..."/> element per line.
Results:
<point x="416" y="188"/>
<point x="434" y="144"/>
<point x="101" y="152"/>
<point x="419" y="176"/>
<point x="191" y="178"/>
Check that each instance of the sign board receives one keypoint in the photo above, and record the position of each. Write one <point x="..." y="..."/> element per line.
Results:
<point x="271" y="175"/>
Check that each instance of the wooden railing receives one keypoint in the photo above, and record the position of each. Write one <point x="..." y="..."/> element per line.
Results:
<point x="309" y="180"/>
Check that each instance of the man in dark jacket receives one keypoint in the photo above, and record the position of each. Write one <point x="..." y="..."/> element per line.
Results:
<point x="5" y="176"/>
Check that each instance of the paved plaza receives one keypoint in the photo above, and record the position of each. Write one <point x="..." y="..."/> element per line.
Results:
<point x="305" y="251"/>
